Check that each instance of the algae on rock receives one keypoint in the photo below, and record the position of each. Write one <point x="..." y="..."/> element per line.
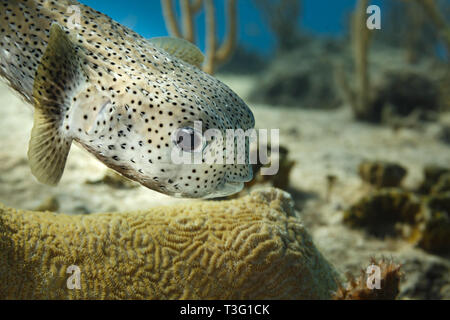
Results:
<point x="357" y="289"/>
<point x="421" y="217"/>
<point x="382" y="174"/>
<point x="434" y="227"/>
<point x="380" y="212"/>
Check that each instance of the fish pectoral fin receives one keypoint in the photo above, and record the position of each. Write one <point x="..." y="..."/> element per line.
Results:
<point x="181" y="49"/>
<point x="57" y="78"/>
<point x="48" y="150"/>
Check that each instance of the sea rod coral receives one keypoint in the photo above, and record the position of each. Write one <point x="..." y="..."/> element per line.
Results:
<point x="250" y="248"/>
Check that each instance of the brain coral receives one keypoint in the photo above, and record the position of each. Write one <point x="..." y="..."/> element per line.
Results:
<point x="250" y="248"/>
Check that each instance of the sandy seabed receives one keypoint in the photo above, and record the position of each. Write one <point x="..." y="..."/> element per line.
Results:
<point x="321" y="143"/>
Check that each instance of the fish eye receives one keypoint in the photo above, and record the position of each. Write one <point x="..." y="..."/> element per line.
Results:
<point x="188" y="140"/>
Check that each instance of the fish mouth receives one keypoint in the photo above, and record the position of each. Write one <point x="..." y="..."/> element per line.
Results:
<point x="227" y="189"/>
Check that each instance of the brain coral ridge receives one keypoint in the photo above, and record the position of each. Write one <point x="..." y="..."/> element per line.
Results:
<point x="249" y="248"/>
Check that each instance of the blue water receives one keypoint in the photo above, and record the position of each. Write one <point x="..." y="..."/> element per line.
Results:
<point x="323" y="17"/>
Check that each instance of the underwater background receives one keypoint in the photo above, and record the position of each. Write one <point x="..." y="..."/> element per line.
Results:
<point x="326" y="18"/>
<point x="364" y="120"/>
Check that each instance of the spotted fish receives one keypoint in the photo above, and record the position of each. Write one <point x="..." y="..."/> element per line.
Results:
<point x="129" y="101"/>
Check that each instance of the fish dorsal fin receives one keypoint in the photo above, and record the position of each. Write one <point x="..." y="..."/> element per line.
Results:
<point x="57" y="77"/>
<point x="181" y="49"/>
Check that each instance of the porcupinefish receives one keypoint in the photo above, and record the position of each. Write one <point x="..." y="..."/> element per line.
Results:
<point x="121" y="97"/>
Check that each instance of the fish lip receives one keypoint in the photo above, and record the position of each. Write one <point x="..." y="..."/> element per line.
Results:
<point x="250" y="175"/>
<point x="227" y="189"/>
